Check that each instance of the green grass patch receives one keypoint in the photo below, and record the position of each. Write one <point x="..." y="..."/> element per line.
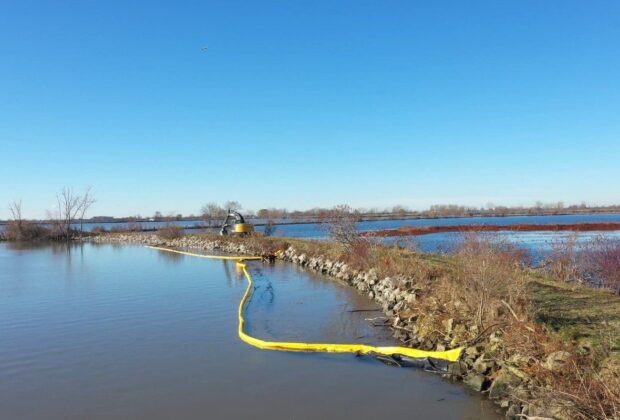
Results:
<point x="589" y="318"/>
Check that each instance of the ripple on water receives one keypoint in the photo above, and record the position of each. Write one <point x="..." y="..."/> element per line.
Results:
<point x="122" y="332"/>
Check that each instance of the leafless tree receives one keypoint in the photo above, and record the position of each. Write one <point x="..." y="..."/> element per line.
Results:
<point x="70" y="206"/>
<point x="85" y="202"/>
<point x="341" y="225"/>
<point x="232" y="205"/>
<point x="400" y="210"/>
<point x="211" y="211"/>
<point x="15" y="208"/>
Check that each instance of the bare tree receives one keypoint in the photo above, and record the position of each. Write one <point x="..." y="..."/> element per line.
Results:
<point x="66" y="210"/>
<point x="232" y="205"/>
<point x="85" y="202"/>
<point x="19" y="229"/>
<point x="15" y="228"/>
<point x="211" y="211"/>
<point x="70" y="206"/>
<point x="400" y="210"/>
<point x="341" y="225"/>
<point x="15" y="208"/>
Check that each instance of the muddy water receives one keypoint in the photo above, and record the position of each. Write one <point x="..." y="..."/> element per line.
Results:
<point x="100" y="332"/>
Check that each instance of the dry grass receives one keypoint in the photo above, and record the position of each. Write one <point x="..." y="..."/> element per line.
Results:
<point x="489" y="277"/>
<point x="170" y="232"/>
<point x="594" y="263"/>
<point x="25" y="231"/>
<point x="582" y="389"/>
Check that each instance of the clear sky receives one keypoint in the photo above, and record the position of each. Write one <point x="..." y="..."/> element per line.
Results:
<point x="309" y="103"/>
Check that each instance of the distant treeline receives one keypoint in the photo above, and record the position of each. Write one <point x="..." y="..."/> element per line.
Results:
<point x="441" y="210"/>
<point x="435" y="211"/>
<point x="319" y="213"/>
<point x="213" y="212"/>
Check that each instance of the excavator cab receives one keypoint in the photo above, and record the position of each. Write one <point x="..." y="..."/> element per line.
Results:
<point x="235" y="224"/>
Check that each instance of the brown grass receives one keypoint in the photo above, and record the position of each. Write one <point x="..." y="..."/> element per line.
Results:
<point x="490" y="281"/>
<point x="26" y="231"/>
<point x="580" y="390"/>
<point x="170" y="232"/>
<point x="594" y="263"/>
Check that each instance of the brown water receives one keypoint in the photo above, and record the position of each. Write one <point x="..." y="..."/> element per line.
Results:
<point x="100" y="332"/>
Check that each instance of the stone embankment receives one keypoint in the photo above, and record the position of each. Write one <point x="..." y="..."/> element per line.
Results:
<point x="501" y="380"/>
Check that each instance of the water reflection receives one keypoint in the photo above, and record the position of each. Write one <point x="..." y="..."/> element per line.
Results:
<point x="170" y="257"/>
<point x="137" y="337"/>
<point x="227" y="272"/>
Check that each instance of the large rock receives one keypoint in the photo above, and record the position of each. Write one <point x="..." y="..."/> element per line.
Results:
<point x="482" y="365"/>
<point x="557" y="360"/>
<point x="472" y="352"/>
<point x="503" y="384"/>
<point x="456" y="369"/>
<point x="475" y="381"/>
<point x="548" y="412"/>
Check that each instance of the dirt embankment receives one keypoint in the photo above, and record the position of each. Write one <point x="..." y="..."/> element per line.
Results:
<point x="526" y="227"/>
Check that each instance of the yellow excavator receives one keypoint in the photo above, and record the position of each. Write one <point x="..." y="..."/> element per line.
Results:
<point x="235" y="224"/>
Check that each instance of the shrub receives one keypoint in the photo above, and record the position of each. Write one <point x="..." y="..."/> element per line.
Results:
<point x="134" y="226"/>
<point x="601" y="263"/>
<point x="562" y="262"/>
<point x="25" y="231"/>
<point x="595" y="262"/>
<point x="170" y="232"/>
<point x="98" y="230"/>
<point x="488" y="275"/>
<point x="341" y="225"/>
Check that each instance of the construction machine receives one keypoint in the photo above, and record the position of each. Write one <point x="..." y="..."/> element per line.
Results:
<point x="235" y="224"/>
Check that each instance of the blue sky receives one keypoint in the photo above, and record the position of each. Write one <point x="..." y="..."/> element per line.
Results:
<point x="309" y="103"/>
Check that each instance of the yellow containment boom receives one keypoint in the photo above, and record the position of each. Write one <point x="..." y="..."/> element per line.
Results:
<point x="448" y="355"/>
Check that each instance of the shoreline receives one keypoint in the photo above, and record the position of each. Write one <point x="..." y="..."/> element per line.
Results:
<point x="421" y="318"/>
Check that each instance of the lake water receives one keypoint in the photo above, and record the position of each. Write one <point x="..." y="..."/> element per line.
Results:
<point x="100" y="331"/>
<point x="315" y="230"/>
<point x="537" y="243"/>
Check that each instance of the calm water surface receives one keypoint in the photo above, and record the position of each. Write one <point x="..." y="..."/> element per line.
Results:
<point x="315" y="230"/>
<point x="535" y="242"/>
<point x="100" y="332"/>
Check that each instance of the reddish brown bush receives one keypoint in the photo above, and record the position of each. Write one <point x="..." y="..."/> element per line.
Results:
<point x="595" y="262"/>
<point x="601" y="263"/>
